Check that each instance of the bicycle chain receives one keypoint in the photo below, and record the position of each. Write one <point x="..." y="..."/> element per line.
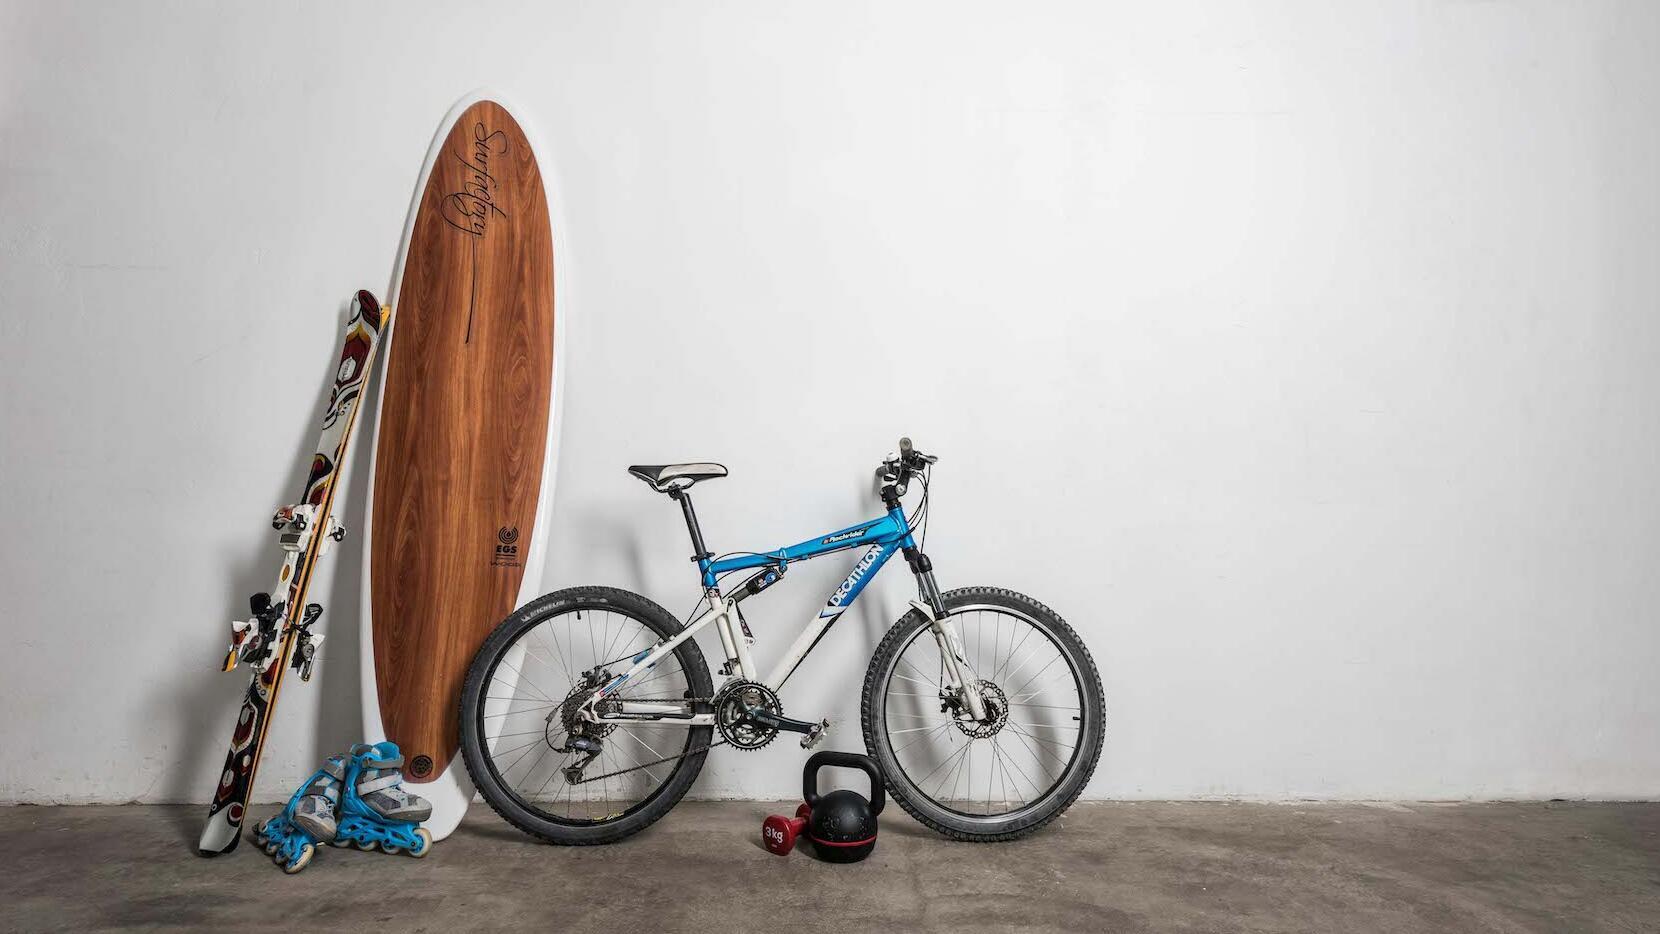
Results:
<point x="690" y="752"/>
<point x="646" y="765"/>
<point x="635" y="768"/>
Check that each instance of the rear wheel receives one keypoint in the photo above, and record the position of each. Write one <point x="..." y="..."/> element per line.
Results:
<point x="518" y="717"/>
<point x="1010" y="774"/>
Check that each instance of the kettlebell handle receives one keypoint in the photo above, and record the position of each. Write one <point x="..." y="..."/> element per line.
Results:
<point x="845" y="760"/>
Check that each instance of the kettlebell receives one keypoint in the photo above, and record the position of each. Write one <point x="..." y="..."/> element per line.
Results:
<point x="842" y="824"/>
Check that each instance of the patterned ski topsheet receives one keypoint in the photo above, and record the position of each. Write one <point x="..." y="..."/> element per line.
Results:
<point x="363" y="334"/>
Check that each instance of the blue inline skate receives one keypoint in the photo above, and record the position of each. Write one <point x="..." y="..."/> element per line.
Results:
<point x="291" y="837"/>
<point x="353" y="800"/>
<point x="375" y="811"/>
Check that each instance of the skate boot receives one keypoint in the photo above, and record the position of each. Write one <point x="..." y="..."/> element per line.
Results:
<point x="315" y="811"/>
<point x="291" y="838"/>
<point x="375" y="810"/>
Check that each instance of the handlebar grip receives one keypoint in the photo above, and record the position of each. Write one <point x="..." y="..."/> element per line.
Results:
<point x="905" y="448"/>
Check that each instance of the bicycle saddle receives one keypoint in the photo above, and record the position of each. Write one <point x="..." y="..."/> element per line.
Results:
<point x="666" y="477"/>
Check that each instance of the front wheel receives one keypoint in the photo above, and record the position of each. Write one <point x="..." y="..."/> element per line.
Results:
<point x="1005" y="776"/>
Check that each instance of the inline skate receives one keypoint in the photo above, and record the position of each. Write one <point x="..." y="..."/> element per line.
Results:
<point x="376" y="812"/>
<point x="354" y="800"/>
<point x="292" y="836"/>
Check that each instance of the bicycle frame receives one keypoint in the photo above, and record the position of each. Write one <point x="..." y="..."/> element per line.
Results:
<point x="884" y="536"/>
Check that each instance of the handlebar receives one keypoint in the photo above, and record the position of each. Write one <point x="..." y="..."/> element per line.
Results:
<point x="912" y="458"/>
<point x="897" y="469"/>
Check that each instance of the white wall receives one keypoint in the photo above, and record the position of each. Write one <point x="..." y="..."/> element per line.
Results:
<point x="1301" y="354"/>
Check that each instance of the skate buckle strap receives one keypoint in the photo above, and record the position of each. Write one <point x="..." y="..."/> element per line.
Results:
<point x="379" y="784"/>
<point x="335" y="766"/>
<point x="384" y="755"/>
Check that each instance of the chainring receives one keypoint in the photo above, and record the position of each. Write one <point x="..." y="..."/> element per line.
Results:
<point x="731" y="705"/>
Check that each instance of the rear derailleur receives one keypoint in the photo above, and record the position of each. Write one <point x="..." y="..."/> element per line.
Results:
<point x="582" y="735"/>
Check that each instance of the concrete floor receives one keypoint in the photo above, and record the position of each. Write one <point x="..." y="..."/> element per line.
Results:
<point x="1104" y="867"/>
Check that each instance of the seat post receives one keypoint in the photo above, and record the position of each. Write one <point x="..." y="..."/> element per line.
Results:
<point x="685" y="499"/>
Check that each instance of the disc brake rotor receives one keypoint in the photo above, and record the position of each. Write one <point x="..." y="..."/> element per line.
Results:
<point x="997" y="713"/>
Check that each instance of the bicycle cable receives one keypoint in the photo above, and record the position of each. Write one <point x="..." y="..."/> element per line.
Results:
<point x="731" y="554"/>
<point x="919" y="516"/>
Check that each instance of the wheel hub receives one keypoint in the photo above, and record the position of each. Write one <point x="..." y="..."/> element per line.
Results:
<point x="997" y="713"/>
<point x="568" y="717"/>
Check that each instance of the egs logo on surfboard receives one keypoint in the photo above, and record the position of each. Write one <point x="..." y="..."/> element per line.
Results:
<point x="507" y="547"/>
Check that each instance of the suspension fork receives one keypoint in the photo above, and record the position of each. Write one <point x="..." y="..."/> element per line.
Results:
<point x="932" y="605"/>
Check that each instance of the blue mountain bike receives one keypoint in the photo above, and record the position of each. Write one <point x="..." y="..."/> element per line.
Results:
<point x="587" y="714"/>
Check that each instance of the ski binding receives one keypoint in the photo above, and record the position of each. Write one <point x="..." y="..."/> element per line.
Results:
<point x="294" y="522"/>
<point x="305" y="642"/>
<point x="252" y="640"/>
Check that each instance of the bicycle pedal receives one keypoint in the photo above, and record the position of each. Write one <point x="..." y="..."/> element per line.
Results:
<point x="816" y="734"/>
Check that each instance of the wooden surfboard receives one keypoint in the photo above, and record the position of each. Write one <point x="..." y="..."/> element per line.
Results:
<point x="463" y="452"/>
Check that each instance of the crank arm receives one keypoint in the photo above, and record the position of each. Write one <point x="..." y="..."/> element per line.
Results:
<point x="769" y="719"/>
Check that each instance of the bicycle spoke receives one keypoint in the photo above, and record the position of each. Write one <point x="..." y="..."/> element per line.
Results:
<point x="560" y="650"/>
<point x="1022" y="773"/>
<point x="918" y="739"/>
<point x="541" y="695"/>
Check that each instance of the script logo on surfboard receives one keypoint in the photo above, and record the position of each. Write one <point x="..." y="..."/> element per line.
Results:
<point x="470" y="209"/>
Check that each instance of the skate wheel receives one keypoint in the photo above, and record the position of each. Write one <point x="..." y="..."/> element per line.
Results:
<point x="425" y="847"/>
<point x="302" y="861"/>
<point x="366" y="846"/>
<point x="390" y="850"/>
<point x="270" y="848"/>
<point x="259" y="828"/>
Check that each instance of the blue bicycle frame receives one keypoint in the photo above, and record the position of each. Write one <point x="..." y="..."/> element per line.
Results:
<point x="881" y="534"/>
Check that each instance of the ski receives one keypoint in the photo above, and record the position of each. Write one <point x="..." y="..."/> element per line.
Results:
<point x="278" y="637"/>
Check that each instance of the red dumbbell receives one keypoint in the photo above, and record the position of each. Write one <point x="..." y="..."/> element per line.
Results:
<point x="779" y="833"/>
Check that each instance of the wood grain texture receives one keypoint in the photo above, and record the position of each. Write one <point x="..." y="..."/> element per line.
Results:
<point x="463" y="428"/>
